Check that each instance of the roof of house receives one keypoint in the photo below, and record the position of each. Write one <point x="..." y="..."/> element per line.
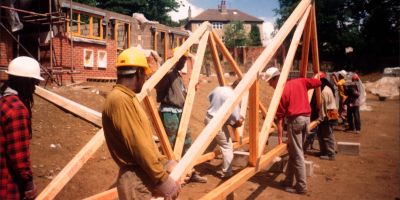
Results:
<point x="230" y="15"/>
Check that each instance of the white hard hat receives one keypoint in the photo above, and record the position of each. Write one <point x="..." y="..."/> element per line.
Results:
<point x="25" y="67"/>
<point x="343" y="72"/>
<point x="271" y="72"/>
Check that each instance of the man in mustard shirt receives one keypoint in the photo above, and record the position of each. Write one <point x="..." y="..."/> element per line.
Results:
<point x="143" y="170"/>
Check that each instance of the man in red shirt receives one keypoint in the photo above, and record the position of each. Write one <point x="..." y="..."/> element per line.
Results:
<point x="294" y="106"/>
<point x="16" y="100"/>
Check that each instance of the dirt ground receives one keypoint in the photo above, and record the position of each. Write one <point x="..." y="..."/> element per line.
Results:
<point x="374" y="174"/>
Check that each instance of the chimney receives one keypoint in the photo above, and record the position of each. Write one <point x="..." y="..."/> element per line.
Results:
<point x="222" y="7"/>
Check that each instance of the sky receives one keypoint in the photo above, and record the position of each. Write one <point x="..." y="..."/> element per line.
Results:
<point x="262" y="9"/>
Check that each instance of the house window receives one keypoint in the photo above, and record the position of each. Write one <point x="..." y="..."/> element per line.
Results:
<point x="218" y="25"/>
<point x="88" y="57"/>
<point x="123" y="35"/>
<point x="85" y="25"/>
<point x="102" y="59"/>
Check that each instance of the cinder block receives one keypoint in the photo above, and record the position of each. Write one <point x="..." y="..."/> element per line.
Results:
<point x="349" y="148"/>
<point x="280" y="165"/>
<point x="309" y="167"/>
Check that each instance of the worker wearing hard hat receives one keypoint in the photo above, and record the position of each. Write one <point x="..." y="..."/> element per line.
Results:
<point x="171" y="94"/>
<point x="143" y="170"/>
<point x="294" y="106"/>
<point x="16" y="101"/>
<point x="340" y="82"/>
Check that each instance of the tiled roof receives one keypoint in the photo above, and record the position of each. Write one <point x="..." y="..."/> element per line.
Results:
<point x="229" y="15"/>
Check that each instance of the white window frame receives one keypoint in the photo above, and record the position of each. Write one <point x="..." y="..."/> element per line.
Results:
<point x="102" y="63"/>
<point x="88" y="62"/>
<point x="217" y="25"/>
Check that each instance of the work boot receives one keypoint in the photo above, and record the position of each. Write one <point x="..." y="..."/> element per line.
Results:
<point x="327" y="157"/>
<point x="296" y="191"/>
<point x="197" y="178"/>
<point x="226" y="175"/>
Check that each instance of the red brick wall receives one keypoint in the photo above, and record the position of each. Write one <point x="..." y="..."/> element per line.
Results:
<point x="63" y="54"/>
<point x="6" y="52"/>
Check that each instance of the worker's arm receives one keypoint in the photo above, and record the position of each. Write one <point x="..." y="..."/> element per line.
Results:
<point x="334" y="79"/>
<point x="280" y="130"/>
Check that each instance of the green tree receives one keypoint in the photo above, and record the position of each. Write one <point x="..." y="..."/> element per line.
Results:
<point x="87" y="2"/>
<point x="254" y="36"/>
<point x="234" y="34"/>
<point x="352" y="23"/>
<point x="156" y="10"/>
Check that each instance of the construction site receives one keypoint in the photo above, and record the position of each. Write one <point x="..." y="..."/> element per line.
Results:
<point x="77" y="47"/>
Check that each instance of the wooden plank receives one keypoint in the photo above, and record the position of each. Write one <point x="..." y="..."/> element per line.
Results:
<point x="315" y="54"/>
<point x="273" y="106"/>
<point x="254" y="123"/>
<point x="230" y="185"/>
<point x="217" y="63"/>
<point x="160" y="73"/>
<point x="305" y="48"/>
<point x="72" y="167"/>
<point x="209" y="132"/>
<point x="226" y="54"/>
<point x="187" y="109"/>
<point x="111" y="194"/>
<point x="158" y="126"/>
<point x="78" y="109"/>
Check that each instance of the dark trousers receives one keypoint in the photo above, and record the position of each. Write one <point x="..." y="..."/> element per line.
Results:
<point x="326" y="139"/>
<point x="353" y="118"/>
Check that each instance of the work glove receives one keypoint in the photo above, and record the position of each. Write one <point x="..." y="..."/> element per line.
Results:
<point x="30" y="191"/>
<point x="169" y="189"/>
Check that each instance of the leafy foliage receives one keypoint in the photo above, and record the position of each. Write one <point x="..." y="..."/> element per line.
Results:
<point x="235" y="35"/>
<point x="254" y="36"/>
<point x="370" y="27"/>
<point x="156" y="10"/>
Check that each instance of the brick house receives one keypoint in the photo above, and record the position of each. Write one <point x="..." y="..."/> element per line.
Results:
<point x="86" y="46"/>
<point x="223" y="16"/>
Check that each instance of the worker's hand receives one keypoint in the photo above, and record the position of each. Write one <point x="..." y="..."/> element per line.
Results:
<point x="238" y="123"/>
<point x="169" y="189"/>
<point x="170" y="165"/>
<point x="30" y="191"/>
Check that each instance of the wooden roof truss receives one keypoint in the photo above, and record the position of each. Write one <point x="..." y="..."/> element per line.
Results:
<point x="246" y="92"/>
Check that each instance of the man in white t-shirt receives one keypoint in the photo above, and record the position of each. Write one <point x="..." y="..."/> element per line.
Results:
<point x="217" y="97"/>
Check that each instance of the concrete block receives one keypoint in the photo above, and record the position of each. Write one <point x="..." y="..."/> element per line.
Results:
<point x="279" y="166"/>
<point x="349" y="148"/>
<point x="273" y="140"/>
<point x="309" y="167"/>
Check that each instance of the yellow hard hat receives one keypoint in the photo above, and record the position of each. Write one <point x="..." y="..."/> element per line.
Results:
<point x="133" y="57"/>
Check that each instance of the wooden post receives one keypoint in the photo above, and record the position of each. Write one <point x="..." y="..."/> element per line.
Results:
<point x="273" y="106"/>
<point x="187" y="109"/>
<point x="254" y="123"/>
<point x="315" y="55"/>
<point x="305" y="48"/>
<point x="158" y="125"/>
<point x="209" y="132"/>
<point x="217" y="63"/>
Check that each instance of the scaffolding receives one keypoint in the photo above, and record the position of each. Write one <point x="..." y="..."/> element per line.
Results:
<point x="52" y="72"/>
